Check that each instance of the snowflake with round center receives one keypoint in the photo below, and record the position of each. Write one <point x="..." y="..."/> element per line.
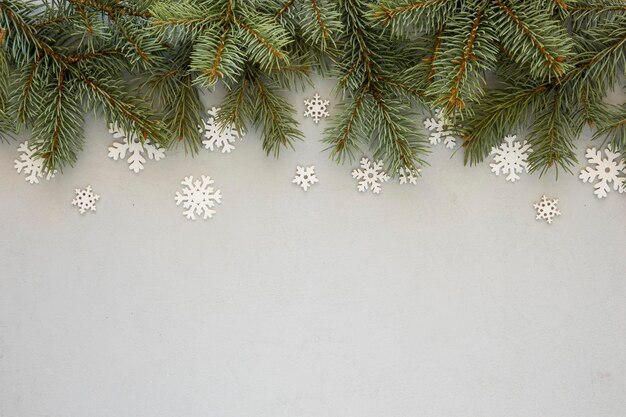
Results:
<point x="85" y="199"/>
<point x="305" y="177"/>
<point x="370" y="175"/>
<point x="510" y="158"/>
<point x="546" y="209"/>
<point x="316" y="108"/>
<point x="439" y="127"/>
<point x="132" y="146"/>
<point x="607" y="170"/>
<point x="32" y="166"/>
<point x="408" y="176"/>
<point x="217" y="136"/>
<point x="198" y="197"/>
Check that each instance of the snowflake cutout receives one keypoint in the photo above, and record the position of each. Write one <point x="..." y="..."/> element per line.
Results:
<point x="31" y="165"/>
<point x="511" y="158"/>
<point x="198" y="197"/>
<point x="305" y="177"/>
<point x="606" y="171"/>
<point x="217" y="136"/>
<point x="85" y="199"/>
<point x="316" y="108"/>
<point x="546" y="209"/>
<point x="408" y="176"/>
<point x="439" y="127"/>
<point x="132" y="146"/>
<point x="370" y="176"/>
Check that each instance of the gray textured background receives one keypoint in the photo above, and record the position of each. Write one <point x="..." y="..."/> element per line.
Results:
<point x="443" y="299"/>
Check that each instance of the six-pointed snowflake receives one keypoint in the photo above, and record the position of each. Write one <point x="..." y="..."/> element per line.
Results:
<point x="85" y="199"/>
<point x="132" y="146"/>
<point x="606" y="171"/>
<point x="198" y="197"/>
<point x="408" y="176"/>
<point x="510" y="158"/>
<point x="32" y="166"/>
<point x="439" y="127"/>
<point x="218" y="136"/>
<point x="546" y="209"/>
<point x="305" y="177"/>
<point x="316" y="108"/>
<point x="370" y="175"/>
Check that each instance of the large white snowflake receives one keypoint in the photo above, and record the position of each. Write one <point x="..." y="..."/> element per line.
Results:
<point x="510" y="158"/>
<point x="607" y="170"/>
<point x="85" y="199"/>
<point x="370" y="175"/>
<point x="546" y="209"/>
<point x="305" y="177"/>
<point x="218" y="136"/>
<point x="132" y="146"/>
<point x="439" y="127"/>
<point x="316" y="108"/>
<point x="32" y="166"/>
<point x="198" y="197"/>
<point x="408" y="176"/>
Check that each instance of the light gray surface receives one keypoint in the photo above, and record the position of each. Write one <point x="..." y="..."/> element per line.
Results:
<point x="447" y="299"/>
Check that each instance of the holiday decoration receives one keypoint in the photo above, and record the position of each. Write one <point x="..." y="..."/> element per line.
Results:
<point x="316" y="108"/>
<point x="546" y="209"/>
<point x="611" y="169"/>
<point x="439" y="127"/>
<point x="305" y="177"/>
<point x="31" y="165"/>
<point x="85" y="199"/>
<point x="198" y="197"/>
<point x="370" y="175"/>
<point x="408" y="176"/>
<point x="510" y="158"/>
<point x="132" y="146"/>
<point x="219" y="136"/>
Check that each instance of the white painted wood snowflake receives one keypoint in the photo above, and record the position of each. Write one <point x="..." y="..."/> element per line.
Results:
<point x="547" y="209"/>
<point x="218" y="137"/>
<point x="32" y="166"/>
<point x="316" y="108"/>
<point x="305" y="177"/>
<point x="85" y="199"/>
<point x="440" y="129"/>
<point x="131" y="145"/>
<point x="370" y="176"/>
<point x="408" y="176"/>
<point x="510" y="158"/>
<point x="198" y="197"/>
<point x="611" y="169"/>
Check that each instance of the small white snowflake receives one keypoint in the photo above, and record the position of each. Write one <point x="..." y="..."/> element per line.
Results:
<point x="606" y="171"/>
<point x="316" y="108"/>
<point x="217" y="136"/>
<point x="32" y="166"/>
<point x="439" y="127"/>
<point x="511" y="158"/>
<point x="305" y="177"/>
<point x="370" y="176"/>
<point x="408" y="176"/>
<point x="198" y="197"/>
<point x="546" y="209"/>
<point x="132" y="145"/>
<point x="85" y="199"/>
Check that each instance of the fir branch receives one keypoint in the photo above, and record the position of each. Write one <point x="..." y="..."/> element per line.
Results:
<point x="112" y="7"/>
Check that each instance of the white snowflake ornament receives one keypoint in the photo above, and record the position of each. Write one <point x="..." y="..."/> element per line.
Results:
<point x="608" y="170"/>
<point x="408" y="176"/>
<point x="316" y="108"/>
<point x="198" y="197"/>
<point x="546" y="209"/>
<point x="439" y="127"/>
<point x="370" y="175"/>
<point x="85" y="199"/>
<point x="510" y="158"/>
<point x="32" y="166"/>
<point x="135" y="149"/>
<point x="219" y="137"/>
<point x="305" y="177"/>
